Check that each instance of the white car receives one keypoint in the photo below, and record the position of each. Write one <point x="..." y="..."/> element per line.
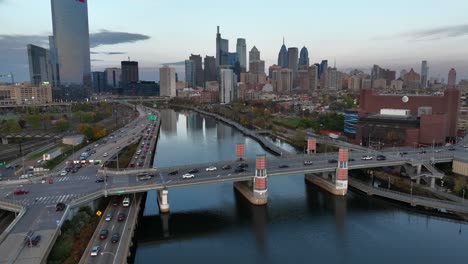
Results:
<point x="212" y="168"/>
<point x="105" y="154"/>
<point x="367" y="157"/>
<point x="95" y="251"/>
<point x="63" y="173"/>
<point x="188" y="176"/>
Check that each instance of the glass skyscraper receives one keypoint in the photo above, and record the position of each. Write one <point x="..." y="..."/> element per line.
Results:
<point x="71" y="41"/>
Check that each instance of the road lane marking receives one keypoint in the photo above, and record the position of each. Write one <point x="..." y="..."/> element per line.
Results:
<point x="105" y="246"/>
<point x="112" y="228"/>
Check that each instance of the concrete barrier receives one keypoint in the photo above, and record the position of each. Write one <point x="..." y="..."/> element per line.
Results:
<point x="12" y="224"/>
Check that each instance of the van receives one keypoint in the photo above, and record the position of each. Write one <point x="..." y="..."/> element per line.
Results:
<point x="126" y="201"/>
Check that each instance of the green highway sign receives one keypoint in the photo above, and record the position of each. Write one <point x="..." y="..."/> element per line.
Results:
<point x="155" y="105"/>
<point x="2" y="164"/>
<point x="121" y="191"/>
<point x="152" y="118"/>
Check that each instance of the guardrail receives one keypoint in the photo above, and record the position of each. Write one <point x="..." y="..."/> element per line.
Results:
<point x="7" y="231"/>
<point x="125" y="171"/>
<point x="10" y="205"/>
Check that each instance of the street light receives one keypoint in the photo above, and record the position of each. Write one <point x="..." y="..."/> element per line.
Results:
<point x="463" y="196"/>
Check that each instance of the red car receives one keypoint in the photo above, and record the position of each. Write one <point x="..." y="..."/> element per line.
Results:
<point x="20" y="191"/>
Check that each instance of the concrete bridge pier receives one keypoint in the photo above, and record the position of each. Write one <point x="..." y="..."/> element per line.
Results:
<point x="418" y="169"/>
<point x="165" y="224"/>
<point x="163" y="201"/>
<point x="433" y="182"/>
<point x="256" y="190"/>
<point x="4" y="141"/>
<point x="418" y="180"/>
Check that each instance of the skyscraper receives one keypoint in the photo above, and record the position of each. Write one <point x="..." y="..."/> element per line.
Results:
<point x="129" y="72"/>
<point x="304" y="57"/>
<point x="424" y="73"/>
<point x="282" y="81"/>
<point x="227" y="80"/>
<point x="222" y="49"/>
<point x="323" y="69"/>
<point x="241" y="49"/>
<point x="98" y="79"/>
<point x="293" y="54"/>
<point x="167" y="82"/>
<point x="283" y="56"/>
<point x="254" y="54"/>
<point x="112" y="78"/>
<point x="452" y="78"/>
<point x="232" y="58"/>
<point x="190" y="77"/>
<point x="39" y="65"/>
<point x="197" y="59"/>
<point x="210" y="68"/>
<point x="71" y="41"/>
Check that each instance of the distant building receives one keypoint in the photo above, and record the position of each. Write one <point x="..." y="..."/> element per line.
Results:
<point x="232" y="59"/>
<point x="210" y="69"/>
<point x="212" y="86"/>
<point x="39" y="65"/>
<point x="304" y="57"/>
<point x="323" y="68"/>
<point x="112" y="78"/>
<point x="257" y="66"/>
<point x="452" y="78"/>
<point x="379" y="84"/>
<point x="129" y="72"/>
<point x="167" y="82"/>
<point x="222" y="49"/>
<point x="141" y="88"/>
<point x="241" y="50"/>
<point x="227" y="79"/>
<point x="412" y="80"/>
<point x="354" y="83"/>
<point x="389" y="76"/>
<point x="333" y="79"/>
<point x="424" y="74"/>
<point x="199" y="78"/>
<point x="396" y="85"/>
<point x="190" y="73"/>
<point x="283" y="56"/>
<point x="272" y="68"/>
<point x="99" y="82"/>
<point x="313" y="77"/>
<point x="254" y="55"/>
<point x="366" y="84"/>
<point x="293" y="56"/>
<point x="282" y="81"/>
<point x="25" y="94"/>
<point x="402" y="74"/>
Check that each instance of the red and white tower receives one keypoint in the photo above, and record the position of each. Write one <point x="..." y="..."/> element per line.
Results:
<point x="260" y="179"/>
<point x="240" y="151"/>
<point x="341" y="182"/>
<point x="311" y="145"/>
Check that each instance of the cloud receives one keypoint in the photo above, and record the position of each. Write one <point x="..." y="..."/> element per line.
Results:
<point x="432" y="34"/>
<point x="105" y="37"/>
<point x="108" y="52"/>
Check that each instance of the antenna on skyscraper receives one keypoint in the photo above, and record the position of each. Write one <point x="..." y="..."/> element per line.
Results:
<point x="218" y="29"/>
<point x="334" y="63"/>
<point x="283" y="40"/>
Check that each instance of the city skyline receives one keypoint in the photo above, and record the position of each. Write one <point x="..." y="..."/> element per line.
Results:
<point x="387" y="42"/>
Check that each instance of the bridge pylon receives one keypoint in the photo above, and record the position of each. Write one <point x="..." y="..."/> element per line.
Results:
<point x="311" y="145"/>
<point x="163" y="200"/>
<point x="240" y="151"/>
<point x="255" y="190"/>
<point x="341" y="181"/>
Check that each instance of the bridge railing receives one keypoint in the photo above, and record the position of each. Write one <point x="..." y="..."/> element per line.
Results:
<point x="7" y="230"/>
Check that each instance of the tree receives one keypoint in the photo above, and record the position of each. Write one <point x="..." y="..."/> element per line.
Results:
<point x="88" y="117"/>
<point x="62" y="125"/>
<point x="11" y="126"/>
<point x="34" y="120"/>
<point x="460" y="185"/>
<point x="99" y="131"/>
<point x="299" y="138"/>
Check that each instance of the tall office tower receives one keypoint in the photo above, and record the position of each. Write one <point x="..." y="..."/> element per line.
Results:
<point x="273" y="68"/>
<point x="283" y="56"/>
<point x="304" y="57"/>
<point x="254" y="54"/>
<point x="323" y="69"/>
<point x="198" y="70"/>
<point x="282" y="81"/>
<point x="313" y="77"/>
<point x="257" y="67"/>
<point x="293" y="56"/>
<point x="55" y="76"/>
<point x="112" y="78"/>
<point x="424" y="73"/>
<point x="377" y="72"/>
<point x="190" y="74"/>
<point x="129" y="72"/>
<point x="232" y="58"/>
<point x="99" y="83"/>
<point x="222" y="49"/>
<point x="210" y="68"/>
<point x="333" y="80"/>
<point x="226" y="86"/>
<point x="402" y="74"/>
<point x="39" y="65"/>
<point x="241" y="50"/>
<point x="452" y="78"/>
<point x="389" y="76"/>
<point x="167" y="81"/>
<point x="71" y="41"/>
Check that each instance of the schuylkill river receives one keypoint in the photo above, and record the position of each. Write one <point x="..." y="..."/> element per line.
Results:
<point x="300" y="224"/>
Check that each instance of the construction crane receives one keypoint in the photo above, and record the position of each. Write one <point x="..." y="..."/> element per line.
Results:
<point x="9" y="75"/>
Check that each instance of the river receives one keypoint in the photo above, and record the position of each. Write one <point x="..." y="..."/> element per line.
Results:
<point x="300" y="224"/>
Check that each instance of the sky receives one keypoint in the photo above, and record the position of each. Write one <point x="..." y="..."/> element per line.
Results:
<point x="396" y="34"/>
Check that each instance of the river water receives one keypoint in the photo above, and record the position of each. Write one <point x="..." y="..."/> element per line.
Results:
<point x="300" y="224"/>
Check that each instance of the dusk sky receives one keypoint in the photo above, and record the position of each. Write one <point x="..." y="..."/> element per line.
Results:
<point x="357" y="34"/>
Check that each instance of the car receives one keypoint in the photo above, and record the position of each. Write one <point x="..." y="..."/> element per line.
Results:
<point x="367" y="158"/>
<point x="104" y="233"/>
<point x="188" y="176"/>
<point x="332" y="161"/>
<point x="144" y="177"/>
<point x="96" y="145"/>
<point x="93" y="152"/>
<point x="79" y="166"/>
<point x="9" y="166"/>
<point x="95" y="251"/>
<point x="381" y="157"/>
<point x="108" y="217"/>
<point x="307" y="162"/>
<point x="438" y="151"/>
<point x="451" y="149"/>
<point x="60" y="207"/>
<point x="63" y="173"/>
<point x="118" y="147"/>
<point x="140" y="164"/>
<point x="283" y="166"/>
<point x="422" y="151"/>
<point x="351" y="159"/>
<point x="105" y="154"/>
<point x="193" y="171"/>
<point x="69" y="168"/>
<point x="131" y="165"/>
<point x="88" y="149"/>
<point x="74" y="170"/>
<point x="96" y="162"/>
<point x="226" y="167"/>
<point x="115" y="237"/>
<point x="174" y="172"/>
<point x="100" y="179"/>
<point x="121" y="217"/>
<point x="20" y="192"/>
<point x="34" y="241"/>
<point x="403" y="153"/>
<point x="211" y="168"/>
<point x="115" y="202"/>
<point x="465" y="146"/>
<point x="243" y="165"/>
<point x="240" y="169"/>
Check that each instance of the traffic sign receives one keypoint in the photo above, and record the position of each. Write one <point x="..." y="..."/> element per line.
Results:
<point x="98" y="213"/>
<point x="152" y="118"/>
<point x="2" y="163"/>
<point x="121" y="191"/>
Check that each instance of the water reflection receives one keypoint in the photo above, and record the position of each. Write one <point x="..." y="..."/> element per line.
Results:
<point x="169" y="121"/>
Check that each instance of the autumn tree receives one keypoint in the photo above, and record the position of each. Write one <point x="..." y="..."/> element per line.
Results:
<point x="62" y="125"/>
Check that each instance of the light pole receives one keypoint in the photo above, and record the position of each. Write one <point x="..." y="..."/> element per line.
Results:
<point x="463" y="196"/>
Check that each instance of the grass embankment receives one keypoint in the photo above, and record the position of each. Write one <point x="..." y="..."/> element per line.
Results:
<point x="125" y="156"/>
<point x="76" y="234"/>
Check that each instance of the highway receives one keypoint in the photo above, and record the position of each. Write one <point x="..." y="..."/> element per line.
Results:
<point x="42" y="198"/>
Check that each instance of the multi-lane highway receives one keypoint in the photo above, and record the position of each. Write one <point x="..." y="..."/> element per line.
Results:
<point x="43" y="197"/>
